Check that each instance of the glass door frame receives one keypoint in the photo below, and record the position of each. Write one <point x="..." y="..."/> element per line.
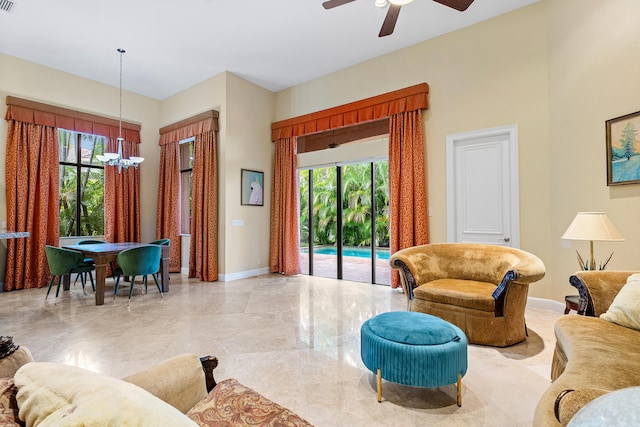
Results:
<point x="339" y="219"/>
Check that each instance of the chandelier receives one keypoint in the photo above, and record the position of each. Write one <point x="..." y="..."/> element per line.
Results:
<point x="116" y="159"/>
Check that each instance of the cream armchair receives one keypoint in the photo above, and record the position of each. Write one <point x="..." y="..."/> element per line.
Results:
<point x="482" y="289"/>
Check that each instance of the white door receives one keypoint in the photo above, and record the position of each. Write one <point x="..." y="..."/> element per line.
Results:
<point x="482" y="187"/>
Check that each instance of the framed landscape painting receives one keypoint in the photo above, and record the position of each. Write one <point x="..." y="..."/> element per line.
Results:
<point x="623" y="150"/>
<point x="252" y="190"/>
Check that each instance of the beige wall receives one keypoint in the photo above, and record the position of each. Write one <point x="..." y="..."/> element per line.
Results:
<point x="246" y="112"/>
<point x="491" y="74"/>
<point x="35" y="82"/>
<point x="558" y="69"/>
<point x="207" y="95"/>
<point x="243" y="142"/>
<point x="248" y="120"/>
<point x="594" y="75"/>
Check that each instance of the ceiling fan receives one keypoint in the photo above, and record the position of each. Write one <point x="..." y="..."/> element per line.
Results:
<point x="390" y="20"/>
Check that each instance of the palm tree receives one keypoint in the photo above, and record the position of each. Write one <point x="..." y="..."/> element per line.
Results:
<point x="356" y="202"/>
<point x="324" y="206"/>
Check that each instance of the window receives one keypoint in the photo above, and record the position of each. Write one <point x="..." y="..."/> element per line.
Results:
<point x="81" y="184"/>
<point x="186" y="168"/>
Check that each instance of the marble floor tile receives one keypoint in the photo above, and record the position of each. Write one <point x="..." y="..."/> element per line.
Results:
<point x="294" y="339"/>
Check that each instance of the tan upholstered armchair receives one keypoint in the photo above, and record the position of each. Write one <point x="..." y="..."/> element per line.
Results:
<point x="482" y="289"/>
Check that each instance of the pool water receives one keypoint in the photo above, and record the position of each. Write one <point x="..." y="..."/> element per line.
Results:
<point x="356" y="252"/>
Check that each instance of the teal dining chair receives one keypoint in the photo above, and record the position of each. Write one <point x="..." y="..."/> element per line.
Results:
<point x="139" y="261"/>
<point x="89" y="260"/>
<point x="161" y="242"/>
<point x="63" y="262"/>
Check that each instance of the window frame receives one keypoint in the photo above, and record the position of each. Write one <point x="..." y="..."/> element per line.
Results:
<point x="79" y="165"/>
<point x="185" y="196"/>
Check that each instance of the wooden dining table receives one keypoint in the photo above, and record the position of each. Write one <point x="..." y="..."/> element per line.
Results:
<point x="104" y="253"/>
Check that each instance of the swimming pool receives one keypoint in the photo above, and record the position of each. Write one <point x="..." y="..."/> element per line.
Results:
<point x="362" y="252"/>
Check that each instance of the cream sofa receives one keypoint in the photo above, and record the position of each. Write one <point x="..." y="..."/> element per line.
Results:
<point x="482" y="289"/>
<point x="592" y="355"/>
<point x="172" y="393"/>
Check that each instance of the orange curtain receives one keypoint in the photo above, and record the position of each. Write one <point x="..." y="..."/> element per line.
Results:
<point x="203" y="253"/>
<point x="408" y="189"/>
<point x="377" y="107"/>
<point x="285" y="246"/>
<point x="169" y="206"/>
<point x="122" y="197"/>
<point x="23" y="110"/>
<point x="32" y="202"/>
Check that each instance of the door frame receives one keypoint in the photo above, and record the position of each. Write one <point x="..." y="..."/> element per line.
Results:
<point x="509" y="131"/>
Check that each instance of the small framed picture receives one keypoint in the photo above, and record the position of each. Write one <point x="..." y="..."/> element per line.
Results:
<point x="623" y="149"/>
<point x="252" y="187"/>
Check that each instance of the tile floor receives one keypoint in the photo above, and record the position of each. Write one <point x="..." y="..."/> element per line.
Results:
<point x="294" y="339"/>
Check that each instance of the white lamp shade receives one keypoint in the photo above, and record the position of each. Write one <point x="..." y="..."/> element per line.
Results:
<point x="593" y="226"/>
<point x="136" y="159"/>
<point x="400" y="2"/>
<point x="111" y="156"/>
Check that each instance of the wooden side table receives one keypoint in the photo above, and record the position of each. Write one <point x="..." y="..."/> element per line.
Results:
<point x="572" y="302"/>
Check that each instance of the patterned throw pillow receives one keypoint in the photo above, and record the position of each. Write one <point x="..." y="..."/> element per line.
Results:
<point x="8" y="405"/>
<point x="232" y="404"/>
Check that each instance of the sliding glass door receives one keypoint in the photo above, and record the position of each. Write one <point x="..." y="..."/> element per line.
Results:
<point x="344" y="222"/>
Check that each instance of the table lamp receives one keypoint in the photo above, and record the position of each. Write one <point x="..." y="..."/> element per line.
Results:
<point x="592" y="226"/>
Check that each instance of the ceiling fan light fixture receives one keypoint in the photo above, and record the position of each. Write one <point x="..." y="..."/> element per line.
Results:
<point x="381" y="3"/>
<point x="400" y="2"/>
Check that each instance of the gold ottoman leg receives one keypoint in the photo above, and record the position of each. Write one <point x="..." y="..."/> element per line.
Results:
<point x="379" y="386"/>
<point x="459" y="388"/>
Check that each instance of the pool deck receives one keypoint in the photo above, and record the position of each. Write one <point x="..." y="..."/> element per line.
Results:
<point x="357" y="269"/>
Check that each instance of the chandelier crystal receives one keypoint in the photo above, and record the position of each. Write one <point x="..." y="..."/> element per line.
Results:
<point x="116" y="159"/>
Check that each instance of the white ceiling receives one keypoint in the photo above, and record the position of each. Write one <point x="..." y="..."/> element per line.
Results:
<point x="172" y="45"/>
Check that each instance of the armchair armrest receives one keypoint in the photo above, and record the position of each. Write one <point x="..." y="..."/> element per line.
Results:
<point x="569" y="402"/>
<point x="597" y="289"/>
<point x="412" y="264"/>
<point x="209" y="363"/>
<point x="528" y="270"/>
<point x="179" y="381"/>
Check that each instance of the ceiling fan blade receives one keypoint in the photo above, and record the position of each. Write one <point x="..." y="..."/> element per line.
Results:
<point x="330" y="4"/>
<point x="390" y="20"/>
<point x="460" y="5"/>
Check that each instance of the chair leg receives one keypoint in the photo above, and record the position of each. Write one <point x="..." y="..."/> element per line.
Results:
<point x="58" y="287"/>
<point x="115" y="291"/>
<point x="53" y="279"/>
<point x="155" y="277"/>
<point x="112" y="265"/>
<point x="93" y="285"/>
<point x="83" y="280"/>
<point x="133" y="282"/>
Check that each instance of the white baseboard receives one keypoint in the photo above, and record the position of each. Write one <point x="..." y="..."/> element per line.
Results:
<point x="233" y="276"/>
<point x="545" y="304"/>
<point x="242" y="274"/>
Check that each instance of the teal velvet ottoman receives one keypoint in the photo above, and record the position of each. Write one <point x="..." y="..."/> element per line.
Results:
<point x="414" y="349"/>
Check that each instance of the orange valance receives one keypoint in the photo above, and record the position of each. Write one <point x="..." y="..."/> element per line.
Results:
<point x="26" y="111"/>
<point x="408" y="99"/>
<point x="187" y="128"/>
